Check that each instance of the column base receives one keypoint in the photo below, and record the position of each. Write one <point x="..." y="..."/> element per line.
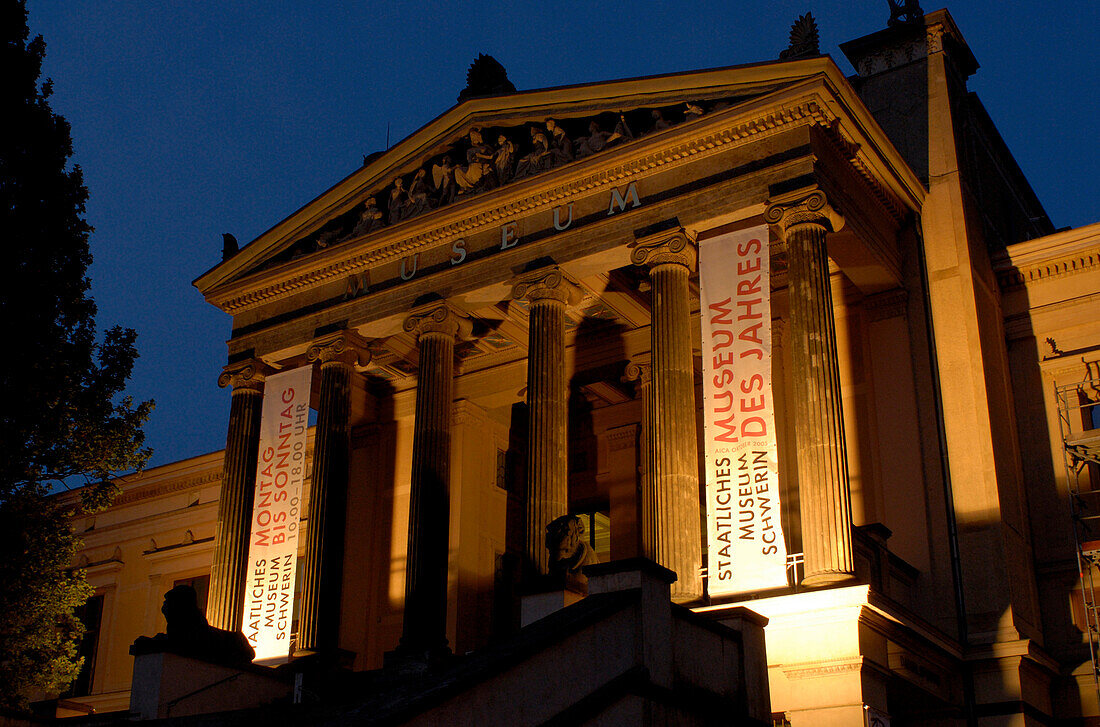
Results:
<point x="828" y="578"/>
<point x="412" y="660"/>
<point x="318" y="659"/>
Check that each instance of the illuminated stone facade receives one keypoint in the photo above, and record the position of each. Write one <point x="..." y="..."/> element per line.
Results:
<point x="502" y="342"/>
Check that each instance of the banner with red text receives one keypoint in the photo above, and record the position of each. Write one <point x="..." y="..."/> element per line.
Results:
<point x="745" y="546"/>
<point x="276" y="510"/>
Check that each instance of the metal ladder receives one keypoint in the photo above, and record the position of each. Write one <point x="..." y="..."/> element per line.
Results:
<point x="1078" y="414"/>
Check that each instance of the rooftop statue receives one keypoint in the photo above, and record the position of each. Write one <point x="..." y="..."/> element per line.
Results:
<point x="903" y="12"/>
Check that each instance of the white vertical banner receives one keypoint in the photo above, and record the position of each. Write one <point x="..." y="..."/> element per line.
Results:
<point x="276" y="511"/>
<point x="745" y="546"/>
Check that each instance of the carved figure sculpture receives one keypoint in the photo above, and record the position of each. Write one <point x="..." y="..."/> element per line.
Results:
<point x="189" y="634"/>
<point x="659" y="122"/>
<point x="443" y="175"/>
<point x="561" y="147"/>
<point x="692" y="110"/>
<point x="621" y="128"/>
<point x="505" y="159"/>
<point x="538" y="159"/>
<point x="597" y="140"/>
<point x="398" y="201"/>
<point x="418" y="194"/>
<point x="326" y="238"/>
<point x="479" y="158"/>
<point x="369" y="219"/>
<point x="569" y="551"/>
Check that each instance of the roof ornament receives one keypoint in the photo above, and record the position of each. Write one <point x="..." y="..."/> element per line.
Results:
<point x="486" y="77"/>
<point x="230" y="246"/>
<point x="804" y="39"/>
<point x="904" y="12"/>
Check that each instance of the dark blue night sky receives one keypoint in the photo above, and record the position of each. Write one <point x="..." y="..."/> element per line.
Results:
<point x="195" y="118"/>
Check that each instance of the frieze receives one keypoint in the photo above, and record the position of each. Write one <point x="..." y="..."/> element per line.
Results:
<point x="809" y="111"/>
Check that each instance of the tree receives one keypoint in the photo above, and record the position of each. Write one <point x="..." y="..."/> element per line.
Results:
<point x="62" y="413"/>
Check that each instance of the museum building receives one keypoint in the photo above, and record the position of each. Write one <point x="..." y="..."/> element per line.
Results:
<point x="751" y="395"/>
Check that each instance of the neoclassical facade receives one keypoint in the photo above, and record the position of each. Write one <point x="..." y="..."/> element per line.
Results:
<point x="502" y="318"/>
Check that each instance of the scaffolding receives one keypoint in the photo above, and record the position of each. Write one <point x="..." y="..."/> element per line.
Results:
<point x="1079" y="421"/>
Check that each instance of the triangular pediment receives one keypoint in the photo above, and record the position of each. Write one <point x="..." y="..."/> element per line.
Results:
<point x="516" y="138"/>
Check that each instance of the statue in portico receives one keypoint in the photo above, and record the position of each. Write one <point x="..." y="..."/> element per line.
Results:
<point x="189" y="634"/>
<point x="569" y="551"/>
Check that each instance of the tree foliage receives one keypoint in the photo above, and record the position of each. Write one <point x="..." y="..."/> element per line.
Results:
<point x="62" y="414"/>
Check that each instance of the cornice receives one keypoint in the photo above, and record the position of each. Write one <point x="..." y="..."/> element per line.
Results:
<point x="168" y="487"/>
<point x="1045" y="258"/>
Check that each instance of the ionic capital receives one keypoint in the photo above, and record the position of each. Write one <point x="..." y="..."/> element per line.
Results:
<point x="248" y="375"/>
<point x="639" y="371"/>
<point x="546" y="284"/>
<point x="675" y="246"/>
<point x="438" y="317"/>
<point x="811" y="209"/>
<point x="342" y="347"/>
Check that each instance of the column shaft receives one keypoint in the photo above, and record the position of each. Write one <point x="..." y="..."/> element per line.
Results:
<point x="322" y="572"/>
<point x="824" y="493"/>
<point x="673" y="535"/>
<point x="641" y="374"/>
<point x="548" y="445"/>
<point x="225" y="602"/>
<point x="424" y="631"/>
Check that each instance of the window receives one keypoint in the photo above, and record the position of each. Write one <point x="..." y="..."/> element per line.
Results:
<point x="91" y="615"/>
<point x="597" y="530"/>
<point x="201" y="584"/>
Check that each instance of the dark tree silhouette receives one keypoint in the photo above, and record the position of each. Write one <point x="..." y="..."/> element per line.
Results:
<point x="62" y="414"/>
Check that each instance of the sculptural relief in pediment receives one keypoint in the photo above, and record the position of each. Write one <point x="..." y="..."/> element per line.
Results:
<point x="488" y="157"/>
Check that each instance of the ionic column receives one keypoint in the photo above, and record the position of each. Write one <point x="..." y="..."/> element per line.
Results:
<point x="823" y="488"/>
<point x="424" y="631"/>
<point x="322" y="572"/>
<point x="225" y="601"/>
<point x="673" y="534"/>
<point x="548" y="292"/>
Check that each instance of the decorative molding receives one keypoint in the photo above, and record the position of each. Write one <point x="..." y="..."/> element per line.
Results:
<point x="1011" y="277"/>
<point x="549" y="283"/>
<point x="805" y="209"/>
<point x="465" y="411"/>
<point x="438" y="317"/>
<point x="823" y="669"/>
<point x="888" y="304"/>
<point x="620" y="438"/>
<point x="169" y="487"/>
<point x="639" y="372"/>
<point x="344" y="347"/>
<point x="245" y="376"/>
<point x="671" y="247"/>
